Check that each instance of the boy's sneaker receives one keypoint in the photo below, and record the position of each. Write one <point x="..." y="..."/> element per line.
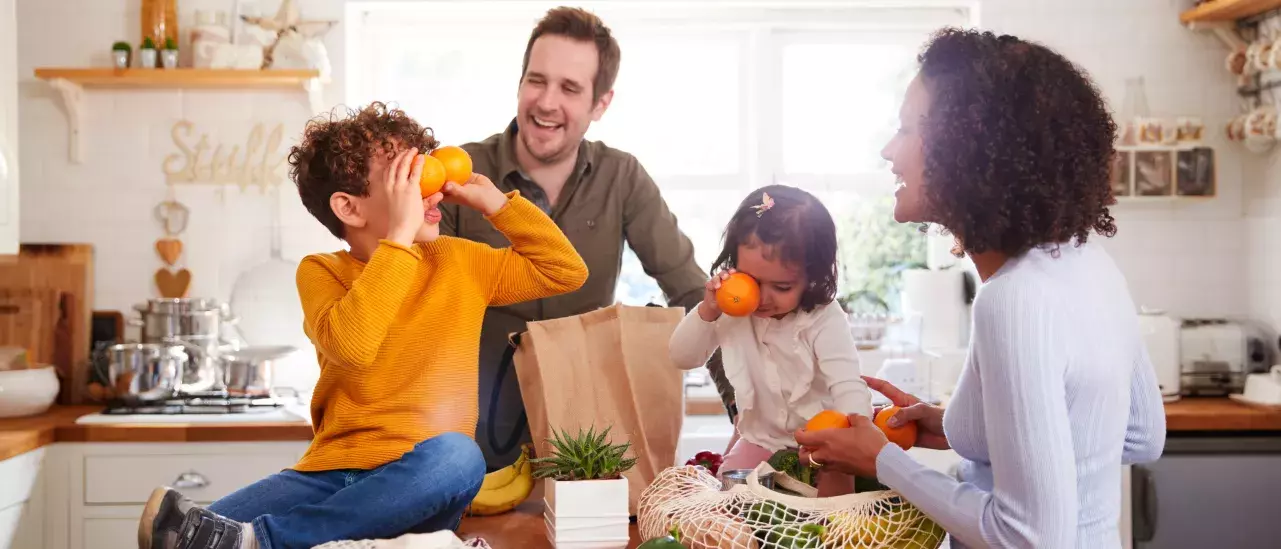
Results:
<point x="171" y="521"/>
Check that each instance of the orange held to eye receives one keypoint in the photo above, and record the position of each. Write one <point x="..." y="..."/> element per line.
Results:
<point x="433" y="176"/>
<point x="827" y="419"/>
<point x="904" y="435"/>
<point x="457" y="163"/>
<point x="739" y="295"/>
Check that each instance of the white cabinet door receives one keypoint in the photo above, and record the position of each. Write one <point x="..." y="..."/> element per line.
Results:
<point x="21" y="501"/>
<point x="8" y="128"/>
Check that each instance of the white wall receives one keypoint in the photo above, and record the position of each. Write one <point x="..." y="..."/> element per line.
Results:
<point x="1188" y="258"/>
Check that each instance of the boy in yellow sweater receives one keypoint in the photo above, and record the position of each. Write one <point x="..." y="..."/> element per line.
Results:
<point x="396" y="324"/>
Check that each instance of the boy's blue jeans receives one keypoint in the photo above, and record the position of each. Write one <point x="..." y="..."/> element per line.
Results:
<point x="426" y="490"/>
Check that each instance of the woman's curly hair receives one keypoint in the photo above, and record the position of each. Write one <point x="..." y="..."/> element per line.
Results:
<point x="1018" y="144"/>
<point x="335" y="154"/>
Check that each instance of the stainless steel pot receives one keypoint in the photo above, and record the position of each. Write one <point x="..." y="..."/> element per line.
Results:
<point x="249" y="371"/>
<point x="165" y="318"/>
<point x="145" y="371"/>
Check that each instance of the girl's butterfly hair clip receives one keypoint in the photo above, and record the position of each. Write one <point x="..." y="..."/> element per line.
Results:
<point x="765" y="205"/>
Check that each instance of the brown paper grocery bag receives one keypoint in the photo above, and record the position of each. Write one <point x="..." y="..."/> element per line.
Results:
<point x="607" y="368"/>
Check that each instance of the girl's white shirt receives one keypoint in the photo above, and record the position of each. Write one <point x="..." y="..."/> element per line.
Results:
<point x="784" y="371"/>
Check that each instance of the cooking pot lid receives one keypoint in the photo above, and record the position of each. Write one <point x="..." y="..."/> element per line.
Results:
<point x="261" y="352"/>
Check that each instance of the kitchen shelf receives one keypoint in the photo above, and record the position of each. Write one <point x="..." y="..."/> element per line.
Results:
<point x="1185" y="172"/>
<point x="71" y="83"/>
<point x="1227" y="10"/>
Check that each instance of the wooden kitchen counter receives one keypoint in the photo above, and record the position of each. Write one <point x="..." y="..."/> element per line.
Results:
<point x="20" y="435"/>
<point x="1219" y="414"/>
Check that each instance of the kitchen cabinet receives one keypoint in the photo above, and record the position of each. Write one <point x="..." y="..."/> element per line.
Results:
<point x="8" y="127"/>
<point x="22" y="501"/>
<point x="93" y="493"/>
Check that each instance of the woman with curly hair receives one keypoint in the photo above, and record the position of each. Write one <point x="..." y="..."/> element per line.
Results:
<point x="1007" y="145"/>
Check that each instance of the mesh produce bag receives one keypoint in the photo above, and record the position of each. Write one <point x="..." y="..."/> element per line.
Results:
<point x="752" y="516"/>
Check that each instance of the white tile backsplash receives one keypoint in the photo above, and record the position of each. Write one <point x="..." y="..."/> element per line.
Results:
<point x="1189" y="258"/>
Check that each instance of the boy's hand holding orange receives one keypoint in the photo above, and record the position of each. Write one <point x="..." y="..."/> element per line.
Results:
<point x="445" y="164"/>
<point x="479" y="194"/>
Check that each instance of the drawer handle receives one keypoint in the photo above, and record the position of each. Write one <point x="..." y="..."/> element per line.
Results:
<point x="190" y="480"/>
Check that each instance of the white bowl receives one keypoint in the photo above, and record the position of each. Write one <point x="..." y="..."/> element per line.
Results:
<point x="27" y="392"/>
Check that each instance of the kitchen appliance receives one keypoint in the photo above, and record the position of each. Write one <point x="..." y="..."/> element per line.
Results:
<point x="1217" y="354"/>
<point x="1161" y="334"/>
<point x="1208" y="491"/>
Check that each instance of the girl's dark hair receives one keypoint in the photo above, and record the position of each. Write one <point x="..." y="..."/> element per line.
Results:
<point x="1018" y="144"/>
<point x="799" y="228"/>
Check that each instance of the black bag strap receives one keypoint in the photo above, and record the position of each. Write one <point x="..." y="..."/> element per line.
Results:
<point x="513" y="438"/>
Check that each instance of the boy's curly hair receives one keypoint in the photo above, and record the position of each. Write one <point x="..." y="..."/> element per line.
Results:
<point x="802" y="230"/>
<point x="1018" y="144"/>
<point x="334" y="155"/>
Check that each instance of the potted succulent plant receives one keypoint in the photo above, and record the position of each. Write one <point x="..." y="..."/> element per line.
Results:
<point x="585" y="494"/>
<point x="147" y="53"/>
<point x="120" y="54"/>
<point x="169" y="55"/>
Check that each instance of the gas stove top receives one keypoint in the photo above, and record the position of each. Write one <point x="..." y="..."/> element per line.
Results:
<point x="198" y="404"/>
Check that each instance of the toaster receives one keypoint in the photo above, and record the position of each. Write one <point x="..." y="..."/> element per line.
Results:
<point x="1216" y="355"/>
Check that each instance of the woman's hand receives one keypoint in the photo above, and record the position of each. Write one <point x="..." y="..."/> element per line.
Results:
<point x="479" y="194"/>
<point x="928" y="418"/>
<point x="708" y="310"/>
<point x="852" y="450"/>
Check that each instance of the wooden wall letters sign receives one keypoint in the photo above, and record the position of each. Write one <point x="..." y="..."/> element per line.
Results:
<point x="257" y="162"/>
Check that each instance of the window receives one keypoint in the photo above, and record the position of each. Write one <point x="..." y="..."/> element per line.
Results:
<point x="714" y="99"/>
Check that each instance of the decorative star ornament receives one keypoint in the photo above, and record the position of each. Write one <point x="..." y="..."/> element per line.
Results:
<point x="287" y="21"/>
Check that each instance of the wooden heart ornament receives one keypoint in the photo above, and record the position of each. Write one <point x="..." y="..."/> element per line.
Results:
<point x="170" y="249"/>
<point x="173" y="283"/>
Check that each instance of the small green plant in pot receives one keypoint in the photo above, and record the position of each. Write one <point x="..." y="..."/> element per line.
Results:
<point x="147" y="54"/>
<point x="585" y="496"/>
<point x="169" y="55"/>
<point x="120" y="54"/>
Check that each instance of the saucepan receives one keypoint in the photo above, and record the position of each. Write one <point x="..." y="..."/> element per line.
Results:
<point x="145" y="371"/>
<point x="249" y="371"/>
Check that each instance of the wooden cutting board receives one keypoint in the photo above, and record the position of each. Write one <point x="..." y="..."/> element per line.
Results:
<point x="67" y="268"/>
<point x="29" y="318"/>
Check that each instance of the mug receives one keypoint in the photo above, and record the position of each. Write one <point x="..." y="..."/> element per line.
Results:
<point x="1237" y="61"/>
<point x="1188" y="129"/>
<point x="1152" y="131"/>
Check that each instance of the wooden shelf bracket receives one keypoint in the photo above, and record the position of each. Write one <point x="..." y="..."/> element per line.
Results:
<point x="73" y="100"/>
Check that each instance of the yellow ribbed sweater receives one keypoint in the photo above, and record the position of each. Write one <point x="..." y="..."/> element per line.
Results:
<point x="398" y="338"/>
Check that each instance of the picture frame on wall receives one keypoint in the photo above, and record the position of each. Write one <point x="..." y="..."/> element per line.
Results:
<point x="1195" y="172"/>
<point x="1154" y="172"/>
<point x="1122" y="174"/>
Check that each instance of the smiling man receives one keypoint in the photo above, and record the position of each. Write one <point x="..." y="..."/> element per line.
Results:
<point x="600" y="197"/>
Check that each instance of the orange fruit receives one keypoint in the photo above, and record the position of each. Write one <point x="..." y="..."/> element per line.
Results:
<point x="827" y="419"/>
<point x="904" y="436"/>
<point x="457" y="163"/>
<point x="739" y="295"/>
<point x="433" y="176"/>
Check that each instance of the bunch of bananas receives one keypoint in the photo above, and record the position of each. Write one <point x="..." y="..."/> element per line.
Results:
<point x="504" y="489"/>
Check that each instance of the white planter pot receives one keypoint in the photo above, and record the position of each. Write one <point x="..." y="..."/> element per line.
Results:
<point x="587" y="514"/>
<point x="169" y="58"/>
<point x="146" y="58"/>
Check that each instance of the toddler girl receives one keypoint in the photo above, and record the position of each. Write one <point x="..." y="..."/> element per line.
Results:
<point x="794" y="356"/>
